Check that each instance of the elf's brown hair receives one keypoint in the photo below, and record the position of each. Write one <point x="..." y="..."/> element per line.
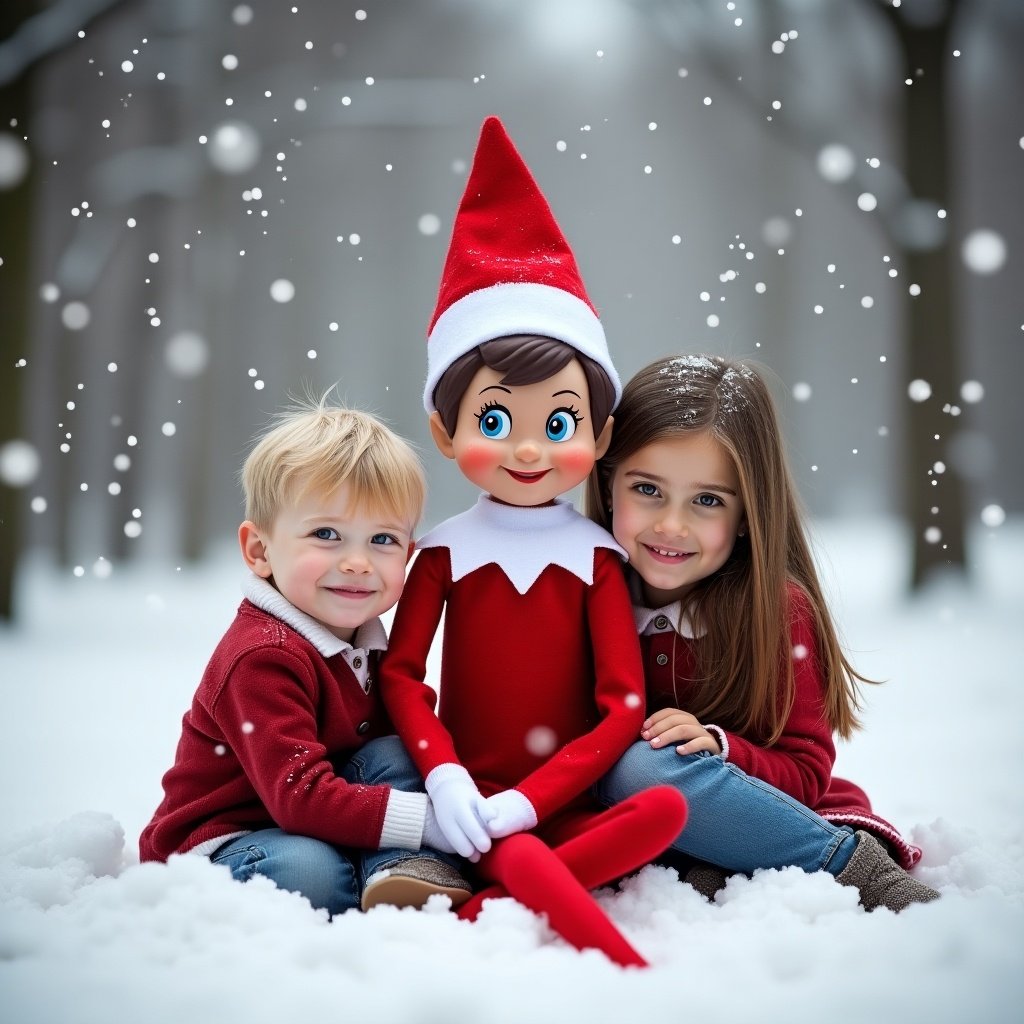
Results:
<point x="523" y="359"/>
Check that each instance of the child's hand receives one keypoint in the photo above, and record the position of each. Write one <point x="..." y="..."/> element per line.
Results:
<point x="509" y="812"/>
<point x="670" y="725"/>
<point x="459" y="810"/>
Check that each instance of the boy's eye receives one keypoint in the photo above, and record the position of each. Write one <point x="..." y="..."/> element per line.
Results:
<point x="561" y="425"/>
<point x="383" y="539"/>
<point x="326" y="533"/>
<point x="495" y="422"/>
<point x="647" y="490"/>
<point x="708" y="500"/>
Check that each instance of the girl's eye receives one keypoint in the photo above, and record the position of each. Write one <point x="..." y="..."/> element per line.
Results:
<point x="383" y="539"/>
<point x="647" y="490"/>
<point x="561" y="425"/>
<point x="708" y="500"/>
<point x="326" y="533"/>
<point x="495" y="422"/>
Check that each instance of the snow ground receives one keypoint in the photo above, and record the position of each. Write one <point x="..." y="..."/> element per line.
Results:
<point x="97" y="675"/>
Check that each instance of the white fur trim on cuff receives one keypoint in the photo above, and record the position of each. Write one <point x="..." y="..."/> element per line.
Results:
<point x="403" y="821"/>
<point x="446" y="773"/>
<point x="514" y="308"/>
<point x="211" y="846"/>
<point x="723" y="739"/>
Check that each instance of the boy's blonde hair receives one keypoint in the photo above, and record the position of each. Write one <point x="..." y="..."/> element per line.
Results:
<point x="318" y="447"/>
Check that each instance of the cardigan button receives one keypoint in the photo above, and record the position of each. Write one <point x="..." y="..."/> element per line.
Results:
<point x="661" y="622"/>
<point x="363" y="728"/>
<point x="662" y="659"/>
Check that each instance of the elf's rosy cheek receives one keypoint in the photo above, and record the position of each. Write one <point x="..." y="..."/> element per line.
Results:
<point x="573" y="460"/>
<point x="478" y="457"/>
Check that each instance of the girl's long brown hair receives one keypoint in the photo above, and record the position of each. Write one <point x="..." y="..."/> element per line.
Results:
<point x="742" y="612"/>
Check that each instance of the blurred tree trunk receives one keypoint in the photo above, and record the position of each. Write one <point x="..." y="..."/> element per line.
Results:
<point x="933" y="500"/>
<point x="15" y="237"/>
<point x="53" y="26"/>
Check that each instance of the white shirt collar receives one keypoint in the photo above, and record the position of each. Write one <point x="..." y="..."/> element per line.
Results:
<point x="521" y="541"/>
<point x="656" y="620"/>
<point x="370" y="636"/>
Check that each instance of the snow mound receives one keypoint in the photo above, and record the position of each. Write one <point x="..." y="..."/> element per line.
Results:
<point x="182" y="940"/>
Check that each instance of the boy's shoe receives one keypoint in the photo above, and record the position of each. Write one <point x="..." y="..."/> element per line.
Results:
<point x="411" y="882"/>
<point x="880" y="881"/>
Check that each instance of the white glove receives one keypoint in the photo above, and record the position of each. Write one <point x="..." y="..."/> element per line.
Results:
<point x="458" y="809"/>
<point x="508" y="812"/>
<point x="433" y="836"/>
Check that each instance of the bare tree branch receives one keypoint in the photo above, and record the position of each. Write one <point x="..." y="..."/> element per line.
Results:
<point x="47" y="32"/>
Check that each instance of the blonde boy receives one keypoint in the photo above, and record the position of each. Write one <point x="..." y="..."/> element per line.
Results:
<point x="285" y="767"/>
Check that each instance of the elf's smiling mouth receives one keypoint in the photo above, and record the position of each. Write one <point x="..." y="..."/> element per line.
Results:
<point x="526" y="478"/>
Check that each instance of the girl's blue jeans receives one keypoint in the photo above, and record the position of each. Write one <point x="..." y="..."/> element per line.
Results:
<point x="329" y="876"/>
<point x="735" y="821"/>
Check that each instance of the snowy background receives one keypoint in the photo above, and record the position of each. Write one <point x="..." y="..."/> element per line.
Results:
<point x="207" y="206"/>
<point x="102" y="668"/>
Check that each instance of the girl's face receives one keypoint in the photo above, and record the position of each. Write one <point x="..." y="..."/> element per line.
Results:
<point x="525" y="445"/>
<point x="677" y="510"/>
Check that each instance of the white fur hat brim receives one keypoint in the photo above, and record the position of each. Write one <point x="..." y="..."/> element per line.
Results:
<point x="514" y="308"/>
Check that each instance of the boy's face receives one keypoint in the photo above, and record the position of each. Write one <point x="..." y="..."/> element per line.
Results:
<point x="527" y="444"/>
<point x="337" y="565"/>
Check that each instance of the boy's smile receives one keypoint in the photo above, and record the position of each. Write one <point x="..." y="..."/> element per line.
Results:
<point x="528" y="443"/>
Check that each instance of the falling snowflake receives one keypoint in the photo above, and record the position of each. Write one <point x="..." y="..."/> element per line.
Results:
<point x="541" y="741"/>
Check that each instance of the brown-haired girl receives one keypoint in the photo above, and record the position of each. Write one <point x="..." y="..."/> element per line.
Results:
<point x="746" y="680"/>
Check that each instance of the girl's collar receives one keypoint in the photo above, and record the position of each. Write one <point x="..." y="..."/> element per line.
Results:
<point x="656" y="620"/>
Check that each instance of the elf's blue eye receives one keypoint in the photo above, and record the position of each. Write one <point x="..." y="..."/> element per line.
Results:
<point x="495" y="422"/>
<point x="561" y="425"/>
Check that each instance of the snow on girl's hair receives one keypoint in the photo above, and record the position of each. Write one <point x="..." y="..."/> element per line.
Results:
<point x="693" y="393"/>
<point x="314" y="447"/>
<point x="743" y="609"/>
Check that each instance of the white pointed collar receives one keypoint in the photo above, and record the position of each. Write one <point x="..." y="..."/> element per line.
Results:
<point x="521" y="541"/>
<point x="653" y="620"/>
<point x="370" y="636"/>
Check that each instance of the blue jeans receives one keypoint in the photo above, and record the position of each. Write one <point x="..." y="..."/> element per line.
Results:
<point x="735" y="821"/>
<point x="329" y="876"/>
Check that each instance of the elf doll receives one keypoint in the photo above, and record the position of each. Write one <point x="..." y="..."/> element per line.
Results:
<point x="541" y="679"/>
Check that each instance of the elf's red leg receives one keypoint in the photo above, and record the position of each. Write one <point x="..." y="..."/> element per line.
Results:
<point x="612" y="844"/>
<point x="626" y="837"/>
<point x="472" y="907"/>
<point x="530" y="871"/>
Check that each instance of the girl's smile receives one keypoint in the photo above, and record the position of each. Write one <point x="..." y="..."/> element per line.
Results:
<point x="669" y="557"/>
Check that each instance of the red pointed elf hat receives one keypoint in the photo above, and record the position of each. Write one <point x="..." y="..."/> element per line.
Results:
<point x="509" y="269"/>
